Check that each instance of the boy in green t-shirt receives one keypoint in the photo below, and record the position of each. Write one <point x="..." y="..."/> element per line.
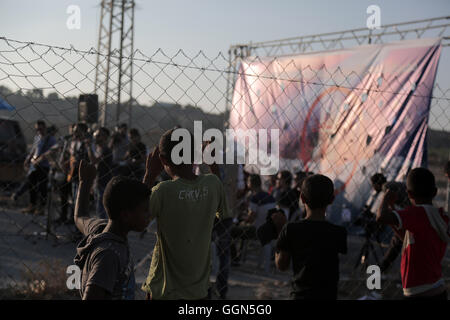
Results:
<point x="185" y="208"/>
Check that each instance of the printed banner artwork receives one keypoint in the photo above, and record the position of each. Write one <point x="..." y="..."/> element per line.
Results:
<point x="347" y="114"/>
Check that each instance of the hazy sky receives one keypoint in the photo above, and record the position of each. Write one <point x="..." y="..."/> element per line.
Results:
<point x="210" y="26"/>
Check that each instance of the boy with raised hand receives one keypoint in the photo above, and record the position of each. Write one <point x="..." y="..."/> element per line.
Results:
<point x="312" y="244"/>
<point x="104" y="255"/>
<point x="185" y="208"/>
<point x="426" y="233"/>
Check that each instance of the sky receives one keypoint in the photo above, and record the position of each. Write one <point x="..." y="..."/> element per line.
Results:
<point x="210" y="26"/>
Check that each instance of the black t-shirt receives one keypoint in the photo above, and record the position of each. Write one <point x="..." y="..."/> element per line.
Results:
<point x="314" y="247"/>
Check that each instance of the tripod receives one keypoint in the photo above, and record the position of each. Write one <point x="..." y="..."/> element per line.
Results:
<point x="54" y="186"/>
<point x="367" y="249"/>
<point x="46" y="226"/>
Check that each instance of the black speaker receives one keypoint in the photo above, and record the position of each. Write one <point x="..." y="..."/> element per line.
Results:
<point x="88" y="108"/>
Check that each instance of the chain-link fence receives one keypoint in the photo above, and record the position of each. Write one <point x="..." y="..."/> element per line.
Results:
<point x="41" y="82"/>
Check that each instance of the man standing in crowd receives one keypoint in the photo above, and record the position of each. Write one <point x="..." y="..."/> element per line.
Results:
<point x="37" y="168"/>
<point x="101" y="157"/>
<point x="59" y="161"/>
<point x="136" y="155"/>
<point x="65" y="186"/>
<point x="119" y="146"/>
<point x="78" y="150"/>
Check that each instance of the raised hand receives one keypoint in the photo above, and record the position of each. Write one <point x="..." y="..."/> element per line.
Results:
<point x="87" y="172"/>
<point x="153" y="164"/>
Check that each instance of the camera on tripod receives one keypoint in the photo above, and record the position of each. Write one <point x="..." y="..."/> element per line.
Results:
<point x="372" y="229"/>
<point x="367" y="221"/>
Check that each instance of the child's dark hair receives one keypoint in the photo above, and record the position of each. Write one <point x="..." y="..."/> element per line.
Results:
<point x="301" y="174"/>
<point x="83" y="126"/>
<point x="255" y="180"/>
<point x="134" y="132"/>
<point x="41" y="123"/>
<point x="166" y="145"/>
<point x="421" y="183"/>
<point x="318" y="191"/>
<point x="104" y="131"/>
<point x="378" y="178"/>
<point x="52" y="130"/>
<point x="286" y="176"/>
<point x="122" y="194"/>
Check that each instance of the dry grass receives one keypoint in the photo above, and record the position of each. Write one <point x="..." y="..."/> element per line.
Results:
<point x="46" y="281"/>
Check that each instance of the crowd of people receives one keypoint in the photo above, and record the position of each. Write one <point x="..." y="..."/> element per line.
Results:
<point x="56" y="159"/>
<point x="285" y="213"/>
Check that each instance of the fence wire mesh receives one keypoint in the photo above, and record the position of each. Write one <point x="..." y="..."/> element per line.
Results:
<point x="42" y="82"/>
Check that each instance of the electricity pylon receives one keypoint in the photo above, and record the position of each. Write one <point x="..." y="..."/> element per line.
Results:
<point x="114" y="68"/>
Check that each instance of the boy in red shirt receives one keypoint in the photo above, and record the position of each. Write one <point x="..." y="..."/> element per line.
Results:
<point x="426" y="233"/>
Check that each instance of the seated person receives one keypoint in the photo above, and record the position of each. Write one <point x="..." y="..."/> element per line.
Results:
<point x="283" y="193"/>
<point x="136" y="155"/>
<point x="259" y="202"/>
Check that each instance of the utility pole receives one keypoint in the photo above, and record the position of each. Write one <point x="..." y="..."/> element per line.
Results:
<point x="114" y="67"/>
